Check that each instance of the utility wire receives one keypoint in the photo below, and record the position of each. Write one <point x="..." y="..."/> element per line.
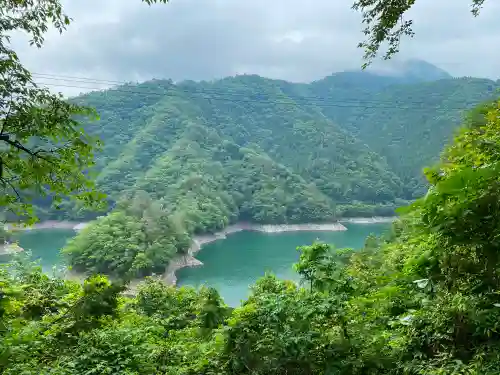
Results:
<point x="180" y="87"/>
<point x="230" y="95"/>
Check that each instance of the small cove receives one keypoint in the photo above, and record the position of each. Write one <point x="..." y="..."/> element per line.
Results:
<point x="234" y="263"/>
<point x="44" y="245"/>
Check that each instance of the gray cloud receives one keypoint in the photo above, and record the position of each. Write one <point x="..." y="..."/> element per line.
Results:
<point x="289" y="39"/>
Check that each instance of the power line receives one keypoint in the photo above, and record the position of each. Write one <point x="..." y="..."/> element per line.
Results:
<point x="182" y="88"/>
<point x="218" y="95"/>
<point x="79" y="79"/>
<point x="230" y="99"/>
<point x="74" y="78"/>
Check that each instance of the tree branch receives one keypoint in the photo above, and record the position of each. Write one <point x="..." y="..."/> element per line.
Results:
<point x="7" y="182"/>
<point x="16" y="144"/>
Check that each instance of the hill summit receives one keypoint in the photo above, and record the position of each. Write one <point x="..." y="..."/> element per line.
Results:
<point x="410" y="71"/>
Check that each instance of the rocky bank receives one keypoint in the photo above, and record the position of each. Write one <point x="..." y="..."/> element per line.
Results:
<point x="188" y="260"/>
<point x="10" y="248"/>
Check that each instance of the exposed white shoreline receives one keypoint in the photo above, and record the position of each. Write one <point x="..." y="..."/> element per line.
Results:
<point x="199" y="241"/>
<point x="50" y="224"/>
<point x="10" y="248"/>
<point x="267" y="228"/>
<point x="188" y="260"/>
<point x="369" y="220"/>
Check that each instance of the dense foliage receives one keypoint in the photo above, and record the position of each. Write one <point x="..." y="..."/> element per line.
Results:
<point x="421" y="300"/>
<point x="407" y="124"/>
<point x="359" y="138"/>
<point x="134" y="241"/>
<point x="253" y="149"/>
<point x="42" y="146"/>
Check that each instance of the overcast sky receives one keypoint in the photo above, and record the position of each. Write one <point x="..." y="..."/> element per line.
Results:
<point x="296" y="40"/>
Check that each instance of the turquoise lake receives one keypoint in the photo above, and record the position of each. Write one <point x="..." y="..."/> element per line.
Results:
<point x="230" y="265"/>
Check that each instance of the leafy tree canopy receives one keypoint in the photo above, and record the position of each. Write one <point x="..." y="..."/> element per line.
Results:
<point x="43" y="148"/>
<point x="385" y="23"/>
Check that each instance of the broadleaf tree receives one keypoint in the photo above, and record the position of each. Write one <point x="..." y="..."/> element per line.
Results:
<point x="385" y="22"/>
<point x="44" y="152"/>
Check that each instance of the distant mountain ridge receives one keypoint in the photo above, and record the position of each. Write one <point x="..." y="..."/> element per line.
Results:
<point x="410" y="71"/>
<point x="386" y="74"/>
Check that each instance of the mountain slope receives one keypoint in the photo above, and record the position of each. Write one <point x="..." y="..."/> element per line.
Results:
<point x="297" y="134"/>
<point x="408" y="124"/>
<point x="248" y="112"/>
<point x="356" y="137"/>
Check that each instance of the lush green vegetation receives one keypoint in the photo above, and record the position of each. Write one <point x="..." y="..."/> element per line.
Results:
<point x="42" y="147"/>
<point x="407" y="124"/>
<point x="135" y="240"/>
<point x="253" y="149"/>
<point x="421" y="300"/>
<point x="354" y="138"/>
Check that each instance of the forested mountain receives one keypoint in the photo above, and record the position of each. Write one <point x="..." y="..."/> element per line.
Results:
<point x="407" y="124"/>
<point x="353" y="137"/>
<point x="261" y="150"/>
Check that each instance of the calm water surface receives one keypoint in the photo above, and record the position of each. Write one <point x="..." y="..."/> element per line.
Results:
<point x="230" y="265"/>
<point x="233" y="264"/>
<point x="44" y="245"/>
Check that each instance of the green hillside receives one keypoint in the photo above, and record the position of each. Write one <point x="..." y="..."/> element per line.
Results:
<point x="140" y="123"/>
<point x="248" y="148"/>
<point x="357" y="136"/>
<point x="406" y="124"/>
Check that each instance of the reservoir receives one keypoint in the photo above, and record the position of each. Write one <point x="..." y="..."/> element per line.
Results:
<point x="231" y="265"/>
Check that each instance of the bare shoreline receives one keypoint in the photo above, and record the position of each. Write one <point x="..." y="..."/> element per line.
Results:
<point x="369" y="220"/>
<point x="49" y="224"/>
<point x="10" y="249"/>
<point x="200" y="240"/>
<point x="188" y="259"/>
<point x="267" y="228"/>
